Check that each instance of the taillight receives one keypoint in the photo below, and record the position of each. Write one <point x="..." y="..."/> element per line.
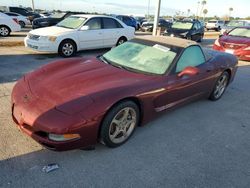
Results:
<point x="15" y="20"/>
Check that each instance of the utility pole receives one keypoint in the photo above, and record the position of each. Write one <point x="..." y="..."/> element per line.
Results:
<point x="148" y="8"/>
<point x="33" y="5"/>
<point x="157" y="14"/>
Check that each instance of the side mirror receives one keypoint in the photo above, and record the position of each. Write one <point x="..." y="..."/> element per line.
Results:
<point x="84" y="28"/>
<point x="189" y="71"/>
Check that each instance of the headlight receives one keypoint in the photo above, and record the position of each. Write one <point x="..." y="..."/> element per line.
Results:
<point x="43" y="38"/>
<point x="63" y="137"/>
<point x="247" y="48"/>
<point x="52" y="38"/>
<point x="217" y="43"/>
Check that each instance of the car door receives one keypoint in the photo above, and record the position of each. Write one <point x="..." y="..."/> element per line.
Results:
<point x="92" y="37"/>
<point x="195" y="32"/>
<point x="112" y="31"/>
<point x="179" y="89"/>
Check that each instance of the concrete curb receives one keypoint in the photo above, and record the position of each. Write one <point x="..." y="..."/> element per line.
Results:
<point x="11" y="43"/>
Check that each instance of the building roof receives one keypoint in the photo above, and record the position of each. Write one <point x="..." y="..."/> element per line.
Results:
<point x="172" y="41"/>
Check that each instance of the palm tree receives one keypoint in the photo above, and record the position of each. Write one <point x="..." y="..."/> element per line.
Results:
<point x="188" y="11"/>
<point x="205" y="11"/>
<point x="230" y="11"/>
<point x="203" y="3"/>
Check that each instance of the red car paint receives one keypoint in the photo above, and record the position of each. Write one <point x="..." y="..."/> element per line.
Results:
<point x="235" y="45"/>
<point x="72" y="96"/>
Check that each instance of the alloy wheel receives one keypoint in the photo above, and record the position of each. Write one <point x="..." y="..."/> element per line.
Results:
<point x="220" y="86"/>
<point x="68" y="49"/>
<point x="122" y="125"/>
<point x="4" y="31"/>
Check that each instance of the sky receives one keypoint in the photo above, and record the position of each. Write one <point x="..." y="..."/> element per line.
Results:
<point x="139" y="7"/>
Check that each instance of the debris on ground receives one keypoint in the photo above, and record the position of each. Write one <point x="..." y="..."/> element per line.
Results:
<point x="50" y="167"/>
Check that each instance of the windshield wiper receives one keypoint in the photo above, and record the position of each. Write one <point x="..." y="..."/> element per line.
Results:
<point x="64" y="26"/>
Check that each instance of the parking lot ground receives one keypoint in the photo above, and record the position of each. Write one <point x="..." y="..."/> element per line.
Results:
<point x="203" y="144"/>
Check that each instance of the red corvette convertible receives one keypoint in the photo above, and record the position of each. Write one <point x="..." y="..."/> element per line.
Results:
<point x="75" y="103"/>
<point x="236" y="42"/>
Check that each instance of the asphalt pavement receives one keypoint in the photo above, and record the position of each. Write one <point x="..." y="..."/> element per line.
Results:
<point x="202" y="144"/>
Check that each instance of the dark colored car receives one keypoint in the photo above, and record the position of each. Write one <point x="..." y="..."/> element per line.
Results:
<point x="148" y="26"/>
<point x="236" y="42"/>
<point x="77" y="102"/>
<point x="24" y="12"/>
<point x="191" y="30"/>
<point x="128" y="20"/>
<point x="51" y="20"/>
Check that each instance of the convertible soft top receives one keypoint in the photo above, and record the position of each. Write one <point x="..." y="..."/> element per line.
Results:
<point x="170" y="41"/>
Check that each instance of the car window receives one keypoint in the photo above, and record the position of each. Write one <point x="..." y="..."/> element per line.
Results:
<point x="94" y="24"/>
<point x="196" y="27"/>
<point x="126" y="19"/>
<point x="109" y="23"/>
<point x="192" y="56"/>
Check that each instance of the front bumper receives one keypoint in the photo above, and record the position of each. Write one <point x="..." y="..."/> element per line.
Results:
<point x="42" y="46"/>
<point x="37" y="118"/>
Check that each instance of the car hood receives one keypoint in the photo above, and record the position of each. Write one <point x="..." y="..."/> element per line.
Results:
<point x="66" y="80"/>
<point x="236" y="40"/>
<point x="53" y="31"/>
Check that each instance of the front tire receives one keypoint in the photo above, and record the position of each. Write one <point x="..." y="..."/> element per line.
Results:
<point x="4" y="31"/>
<point x="67" y="48"/>
<point x="220" y="87"/>
<point x="119" y="124"/>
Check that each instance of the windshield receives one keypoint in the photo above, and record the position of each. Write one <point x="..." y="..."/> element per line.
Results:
<point x="72" y="22"/>
<point x="235" y="23"/>
<point x="57" y="15"/>
<point x="182" y="25"/>
<point x="141" y="58"/>
<point x="240" y="32"/>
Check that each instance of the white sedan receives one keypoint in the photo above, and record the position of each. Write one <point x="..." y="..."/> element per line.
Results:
<point x="22" y="20"/>
<point x="79" y="32"/>
<point x="8" y="25"/>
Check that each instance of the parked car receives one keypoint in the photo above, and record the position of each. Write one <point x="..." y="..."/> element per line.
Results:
<point x="23" y="12"/>
<point x="8" y="25"/>
<point x="149" y="25"/>
<point x="50" y="21"/>
<point x="236" y="42"/>
<point x="75" y="103"/>
<point x="192" y="30"/>
<point x="22" y="20"/>
<point x="215" y="25"/>
<point x="233" y="24"/>
<point x="79" y="32"/>
<point x="128" y="20"/>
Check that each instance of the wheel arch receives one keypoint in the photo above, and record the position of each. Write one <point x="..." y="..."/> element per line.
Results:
<point x="70" y="40"/>
<point x="133" y="99"/>
<point x="6" y="26"/>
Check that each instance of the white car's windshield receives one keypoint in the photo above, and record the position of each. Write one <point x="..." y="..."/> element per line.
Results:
<point x="182" y="25"/>
<point x="240" y="32"/>
<point x="72" y="22"/>
<point x="141" y="58"/>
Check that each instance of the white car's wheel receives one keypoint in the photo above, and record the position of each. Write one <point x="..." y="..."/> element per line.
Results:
<point x="22" y="24"/>
<point x="67" y="48"/>
<point x="121" y="41"/>
<point x="4" y="31"/>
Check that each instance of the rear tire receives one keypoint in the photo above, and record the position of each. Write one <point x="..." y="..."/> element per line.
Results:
<point x="67" y="48"/>
<point x="119" y="124"/>
<point x="4" y="31"/>
<point x="220" y="86"/>
<point x="22" y="24"/>
<point x="121" y="41"/>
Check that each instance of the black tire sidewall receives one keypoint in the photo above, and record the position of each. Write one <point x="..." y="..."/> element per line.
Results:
<point x="121" y="38"/>
<point x="104" y="132"/>
<point x="212" y="97"/>
<point x="6" y="28"/>
<point x="61" y="46"/>
<point x="22" y="24"/>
